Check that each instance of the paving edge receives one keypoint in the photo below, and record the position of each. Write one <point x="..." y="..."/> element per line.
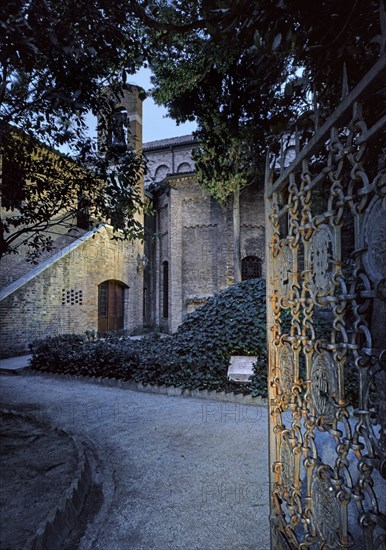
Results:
<point x="172" y="391"/>
<point x="64" y="518"/>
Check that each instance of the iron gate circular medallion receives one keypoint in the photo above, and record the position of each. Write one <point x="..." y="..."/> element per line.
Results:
<point x="326" y="509"/>
<point x="374" y="239"/>
<point x="324" y="385"/>
<point x="322" y="252"/>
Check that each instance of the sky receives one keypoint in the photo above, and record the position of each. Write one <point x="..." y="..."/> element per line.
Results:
<point x="156" y="125"/>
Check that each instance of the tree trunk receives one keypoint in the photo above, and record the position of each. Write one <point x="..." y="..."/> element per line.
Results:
<point x="236" y="236"/>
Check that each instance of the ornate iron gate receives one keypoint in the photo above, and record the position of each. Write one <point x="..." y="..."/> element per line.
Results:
<point x="326" y="299"/>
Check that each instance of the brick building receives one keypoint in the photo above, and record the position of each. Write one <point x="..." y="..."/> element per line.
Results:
<point x="86" y="282"/>
<point x="90" y="282"/>
<point x="191" y="236"/>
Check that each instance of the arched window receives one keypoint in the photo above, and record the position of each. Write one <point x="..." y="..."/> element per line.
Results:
<point x="250" y="268"/>
<point x="161" y="172"/>
<point x="184" y="167"/>
<point x="111" y="306"/>
<point x="165" y="290"/>
<point x="82" y="215"/>
<point x="118" y="129"/>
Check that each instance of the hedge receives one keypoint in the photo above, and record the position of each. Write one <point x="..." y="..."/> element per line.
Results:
<point x="197" y="356"/>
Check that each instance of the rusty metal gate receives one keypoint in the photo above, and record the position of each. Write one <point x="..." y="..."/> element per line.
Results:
<point x="326" y="300"/>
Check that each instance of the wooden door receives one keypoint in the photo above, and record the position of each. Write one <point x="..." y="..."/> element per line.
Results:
<point x="110" y="306"/>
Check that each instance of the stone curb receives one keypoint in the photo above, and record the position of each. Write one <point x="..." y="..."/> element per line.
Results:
<point x="64" y="517"/>
<point x="171" y="391"/>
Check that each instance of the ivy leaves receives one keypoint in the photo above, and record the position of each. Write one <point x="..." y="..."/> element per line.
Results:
<point x="197" y="356"/>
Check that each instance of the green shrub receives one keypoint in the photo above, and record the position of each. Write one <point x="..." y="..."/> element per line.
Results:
<point x="73" y="354"/>
<point x="231" y="322"/>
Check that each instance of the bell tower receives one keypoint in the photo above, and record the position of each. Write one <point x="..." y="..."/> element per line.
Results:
<point x="119" y="132"/>
<point x="120" y="127"/>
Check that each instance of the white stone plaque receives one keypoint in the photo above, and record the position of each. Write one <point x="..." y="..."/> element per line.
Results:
<point x="241" y="367"/>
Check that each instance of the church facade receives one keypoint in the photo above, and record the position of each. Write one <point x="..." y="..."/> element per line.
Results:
<point x="89" y="282"/>
<point x="191" y="250"/>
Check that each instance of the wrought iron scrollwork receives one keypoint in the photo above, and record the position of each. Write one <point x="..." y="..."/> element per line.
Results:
<point x="326" y="299"/>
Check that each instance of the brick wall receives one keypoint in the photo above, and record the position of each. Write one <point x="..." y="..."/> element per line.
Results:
<point x="204" y="255"/>
<point x="252" y="223"/>
<point x="14" y="266"/>
<point x="195" y="237"/>
<point x="168" y="156"/>
<point x="63" y="297"/>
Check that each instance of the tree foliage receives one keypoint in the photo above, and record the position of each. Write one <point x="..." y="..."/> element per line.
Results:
<point x="56" y="57"/>
<point x="251" y="72"/>
<point x="56" y="61"/>
<point x="198" y="78"/>
<point x="243" y="70"/>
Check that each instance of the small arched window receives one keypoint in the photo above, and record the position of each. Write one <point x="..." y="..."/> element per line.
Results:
<point x="161" y="172"/>
<point x="250" y="268"/>
<point x="184" y="167"/>
<point x="118" y="129"/>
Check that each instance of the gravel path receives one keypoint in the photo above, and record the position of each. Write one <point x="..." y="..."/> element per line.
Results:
<point x="177" y="473"/>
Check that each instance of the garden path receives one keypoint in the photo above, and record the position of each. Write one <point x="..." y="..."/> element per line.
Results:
<point x="177" y="473"/>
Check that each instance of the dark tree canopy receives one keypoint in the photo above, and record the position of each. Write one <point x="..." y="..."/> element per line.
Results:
<point x="245" y="71"/>
<point x="56" y="61"/>
<point x="255" y="69"/>
<point x="56" y="57"/>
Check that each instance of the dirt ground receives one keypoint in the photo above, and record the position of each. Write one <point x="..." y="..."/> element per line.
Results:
<point x="37" y="465"/>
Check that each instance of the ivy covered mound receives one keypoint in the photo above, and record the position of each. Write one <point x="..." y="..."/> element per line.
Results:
<point x="196" y="357"/>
